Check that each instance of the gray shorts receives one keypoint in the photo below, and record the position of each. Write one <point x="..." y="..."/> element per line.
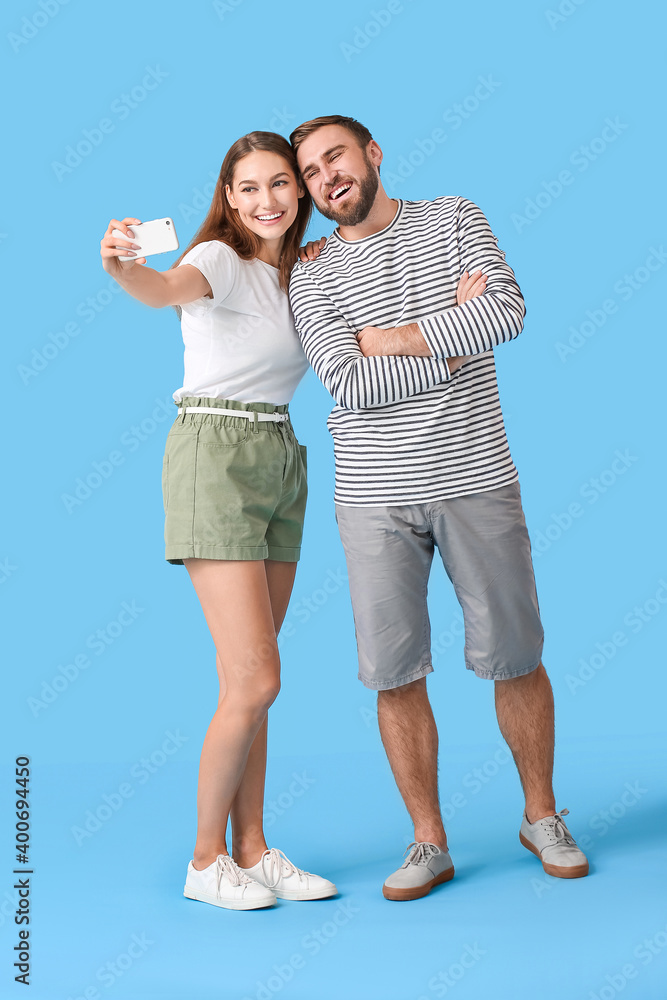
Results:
<point x="484" y="545"/>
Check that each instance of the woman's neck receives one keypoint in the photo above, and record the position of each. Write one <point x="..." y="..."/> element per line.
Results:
<point x="270" y="251"/>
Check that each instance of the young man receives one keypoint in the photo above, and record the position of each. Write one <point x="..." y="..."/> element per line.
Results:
<point x="422" y="462"/>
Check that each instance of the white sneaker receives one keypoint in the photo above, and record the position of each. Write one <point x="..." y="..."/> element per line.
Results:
<point x="223" y="883"/>
<point x="287" y="881"/>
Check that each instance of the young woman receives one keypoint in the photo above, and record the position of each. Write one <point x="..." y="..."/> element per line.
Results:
<point x="234" y="487"/>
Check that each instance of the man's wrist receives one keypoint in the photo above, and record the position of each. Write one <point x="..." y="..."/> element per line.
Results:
<point x="410" y="341"/>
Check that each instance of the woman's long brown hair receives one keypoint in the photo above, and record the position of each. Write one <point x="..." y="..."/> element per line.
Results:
<point x="222" y="221"/>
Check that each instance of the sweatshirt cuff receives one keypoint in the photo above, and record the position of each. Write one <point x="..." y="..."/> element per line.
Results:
<point x="435" y="340"/>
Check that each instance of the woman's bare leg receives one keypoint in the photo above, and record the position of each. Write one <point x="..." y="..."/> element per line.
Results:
<point x="239" y="600"/>
<point x="234" y="596"/>
<point x="248" y="843"/>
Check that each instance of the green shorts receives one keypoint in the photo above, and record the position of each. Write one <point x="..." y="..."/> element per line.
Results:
<point x="233" y="488"/>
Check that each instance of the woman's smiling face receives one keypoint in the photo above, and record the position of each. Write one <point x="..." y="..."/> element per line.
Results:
<point x="266" y="194"/>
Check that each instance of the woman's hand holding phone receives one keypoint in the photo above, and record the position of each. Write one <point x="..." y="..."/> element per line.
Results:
<point x="113" y="247"/>
<point x="157" y="289"/>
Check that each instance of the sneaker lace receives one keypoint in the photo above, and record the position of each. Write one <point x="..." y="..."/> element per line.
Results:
<point x="420" y="853"/>
<point x="558" y="830"/>
<point x="275" y="865"/>
<point x="226" y="866"/>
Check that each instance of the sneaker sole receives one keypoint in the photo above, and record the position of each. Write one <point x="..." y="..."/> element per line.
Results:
<point x="230" y="904"/>
<point x="293" y="894"/>
<point x="419" y="890"/>
<point x="571" y="871"/>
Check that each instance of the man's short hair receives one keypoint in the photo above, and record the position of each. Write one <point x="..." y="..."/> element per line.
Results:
<point x="359" y="131"/>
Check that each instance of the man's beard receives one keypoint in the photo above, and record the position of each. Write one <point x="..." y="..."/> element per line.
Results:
<point x="353" y="214"/>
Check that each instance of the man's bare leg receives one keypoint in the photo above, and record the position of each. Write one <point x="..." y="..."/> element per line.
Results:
<point x="525" y="710"/>
<point x="410" y="739"/>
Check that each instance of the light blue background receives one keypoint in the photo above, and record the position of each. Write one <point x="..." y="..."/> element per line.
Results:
<point x="221" y="70"/>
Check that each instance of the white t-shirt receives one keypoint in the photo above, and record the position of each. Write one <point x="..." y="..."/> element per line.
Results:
<point x="241" y="344"/>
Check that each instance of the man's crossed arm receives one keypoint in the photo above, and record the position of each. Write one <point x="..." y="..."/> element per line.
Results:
<point x="409" y="340"/>
<point x="375" y="367"/>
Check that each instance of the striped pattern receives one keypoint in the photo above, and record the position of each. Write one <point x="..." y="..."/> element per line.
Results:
<point x="404" y="430"/>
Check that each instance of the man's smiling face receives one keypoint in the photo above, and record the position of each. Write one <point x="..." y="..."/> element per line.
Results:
<point x="342" y="177"/>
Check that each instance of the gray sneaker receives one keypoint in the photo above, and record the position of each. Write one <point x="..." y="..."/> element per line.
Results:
<point x="425" y="866"/>
<point x="554" y="845"/>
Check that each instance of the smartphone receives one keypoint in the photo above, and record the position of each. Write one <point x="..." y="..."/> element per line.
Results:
<point x="158" y="236"/>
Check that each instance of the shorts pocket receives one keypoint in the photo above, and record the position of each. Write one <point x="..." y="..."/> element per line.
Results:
<point x="221" y="434"/>
<point x="304" y="456"/>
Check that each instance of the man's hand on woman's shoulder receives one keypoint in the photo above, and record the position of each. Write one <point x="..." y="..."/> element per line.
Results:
<point x="312" y="249"/>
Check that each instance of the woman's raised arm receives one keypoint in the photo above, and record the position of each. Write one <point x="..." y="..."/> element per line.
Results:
<point x="154" y="288"/>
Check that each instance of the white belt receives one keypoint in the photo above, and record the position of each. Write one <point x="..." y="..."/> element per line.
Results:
<point x="278" y="418"/>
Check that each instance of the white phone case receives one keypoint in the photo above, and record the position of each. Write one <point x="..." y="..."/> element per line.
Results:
<point x="157" y="236"/>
